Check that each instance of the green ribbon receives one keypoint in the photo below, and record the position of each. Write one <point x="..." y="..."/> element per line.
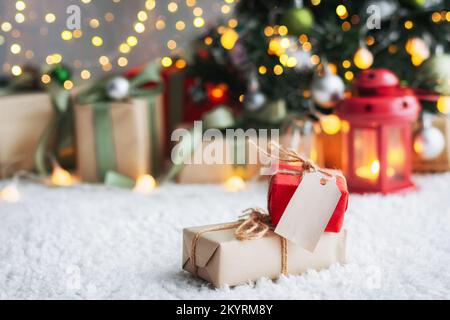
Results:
<point x="100" y="101"/>
<point x="61" y="105"/>
<point x="222" y="118"/>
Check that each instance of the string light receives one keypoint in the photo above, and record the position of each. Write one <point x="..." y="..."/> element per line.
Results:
<point x="443" y="104"/>
<point x="363" y="58"/>
<point x="145" y="185"/>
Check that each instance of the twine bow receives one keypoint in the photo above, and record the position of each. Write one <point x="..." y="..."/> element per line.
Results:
<point x="253" y="225"/>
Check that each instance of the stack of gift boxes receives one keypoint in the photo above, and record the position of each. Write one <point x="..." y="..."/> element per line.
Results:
<point x="304" y="230"/>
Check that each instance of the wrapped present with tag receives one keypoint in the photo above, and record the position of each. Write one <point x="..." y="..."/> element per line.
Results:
<point x="119" y="127"/>
<point x="246" y="250"/>
<point x="299" y="189"/>
<point x="35" y="124"/>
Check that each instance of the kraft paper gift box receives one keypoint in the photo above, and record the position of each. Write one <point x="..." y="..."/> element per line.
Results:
<point x="221" y="172"/>
<point x="23" y="120"/>
<point x="119" y="136"/>
<point x="221" y="259"/>
<point x="441" y="162"/>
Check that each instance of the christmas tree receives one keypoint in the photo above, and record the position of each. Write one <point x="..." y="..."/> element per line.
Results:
<point x="298" y="50"/>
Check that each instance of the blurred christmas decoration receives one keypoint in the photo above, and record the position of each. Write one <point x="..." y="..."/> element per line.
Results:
<point x="429" y="142"/>
<point x="435" y="74"/>
<point x="327" y="89"/>
<point x="254" y="99"/>
<point x="61" y="177"/>
<point x="234" y="184"/>
<point x="10" y="193"/>
<point x="298" y="20"/>
<point x="363" y="58"/>
<point x="118" y="88"/>
<point x="145" y="185"/>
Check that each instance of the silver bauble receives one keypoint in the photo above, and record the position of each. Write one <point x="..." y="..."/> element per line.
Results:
<point x="254" y="100"/>
<point x="429" y="143"/>
<point x="118" y="88"/>
<point x="327" y="90"/>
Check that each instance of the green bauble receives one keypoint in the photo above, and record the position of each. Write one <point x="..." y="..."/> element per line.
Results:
<point x="60" y="73"/>
<point x="298" y="20"/>
<point x="435" y="74"/>
<point x="413" y="3"/>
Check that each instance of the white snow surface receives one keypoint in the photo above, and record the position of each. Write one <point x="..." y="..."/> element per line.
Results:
<point x="94" y="242"/>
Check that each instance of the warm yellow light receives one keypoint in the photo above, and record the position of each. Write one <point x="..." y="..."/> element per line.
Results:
<point x="262" y="70"/>
<point x="331" y="124"/>
<point x="370" y="172"/>
<point x="436" y="17"/>
<point x="50" y="18"/>
<point x="16" y="70"/>
<point x="349" y="75"/>
<point x="97" y="41"/>
<point x="150" y="4"/>
<point x="20" y="5"/>
<point x="10" y="193"/>
<point x="278" y="70"/>
<point x="408" y="24"/>
<point x="66" y="35"/>
<point x="139" y="27"/>
<point x="109" y="16"/>
<point x="142" y="16"/>
<point x="197" y="11"/>
<point x="145" y="185"/>
<point x="172" y="7"/>
<point x="166" y="62"/>
<point x="85" y="74"/>
<point x="132" y="41"/>
<point x="229" y="38"/>
<point x="315" y="2"/>
<point x="20" y="18"/>
<point x="199" y="22"/>
<point x="122" y="62"/>
<point x="180" y="25"/>
<point x="363" y="58"/>
<point x="15" y="48"/>
<point x="6" y="26"/>
<point x="208" y="41"/>
<point x="283" y="30"/>
<point x="94" y="23"/>
<point x="46" y="79"/>
<point x="180" y="64"/>
<point x="346" y="64"/>
<point x="235" y="184"/>
<point x="61" y="177"/>
<point x="268" y="31"/>
<point x="124" y="48"/>
<point x="285" y="43"/>
<point x="77" y="33"/>
<point x="333" y="68"/>
<point x="341" y="10"/>
<point x="68" y="84"/>
<point x="232" y="23"/>
<point x="171" y="44"/>
<point x="443" y="104"/>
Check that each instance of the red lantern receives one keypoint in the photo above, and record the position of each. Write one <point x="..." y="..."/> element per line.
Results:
<point x="377" y="156"/>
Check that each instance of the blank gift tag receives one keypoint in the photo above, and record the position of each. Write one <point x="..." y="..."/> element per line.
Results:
<point x="309" y="211"/>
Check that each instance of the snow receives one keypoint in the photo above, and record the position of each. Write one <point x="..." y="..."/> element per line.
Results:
<point x="93" y="242"/>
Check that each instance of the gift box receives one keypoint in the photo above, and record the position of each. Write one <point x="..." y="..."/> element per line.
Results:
<point x="284" y="184"/>
<point x="442" y="162"/>
<point x="120" y="136"/>
<point x="214" y="254"/>
<point x="23" y="120"/>
<point x="223" y="170"/>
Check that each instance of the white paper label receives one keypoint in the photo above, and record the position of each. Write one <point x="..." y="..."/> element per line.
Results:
<point x="309" y="211"/>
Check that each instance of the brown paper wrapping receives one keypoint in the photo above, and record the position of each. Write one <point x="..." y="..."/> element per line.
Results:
<point x="131" y="138"/>
<point x="23" y="120"/>
<point x="442" y="162"/>
<point x="219" y="173"/>
<point x="223" y="260"/>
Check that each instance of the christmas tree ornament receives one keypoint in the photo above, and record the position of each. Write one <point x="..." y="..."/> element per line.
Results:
<point x="429" y="142"/>
<point x="254" y="99"/>
<point x="298" y="20"/>
<point x="60" y="73"/>
<point x="435" y="74"/>
<point x="327" y="89"/>
<point x="363" y="58"/>
<point x="301" y="58"/>
<point x="118" y="88"/>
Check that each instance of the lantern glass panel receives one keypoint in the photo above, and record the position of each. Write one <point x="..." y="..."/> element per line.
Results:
<point x="396" y="154"/>
<point x="366" y="161"/>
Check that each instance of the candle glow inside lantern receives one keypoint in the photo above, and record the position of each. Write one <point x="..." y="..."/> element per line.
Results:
<point x="377" y="145"/>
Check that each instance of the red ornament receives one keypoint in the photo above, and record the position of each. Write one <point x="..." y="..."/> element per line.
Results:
<point x="282" y="188"/>
<point x="377" y="155"/>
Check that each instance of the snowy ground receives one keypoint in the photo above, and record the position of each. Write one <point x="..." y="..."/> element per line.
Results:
<point x="90" y="242"/>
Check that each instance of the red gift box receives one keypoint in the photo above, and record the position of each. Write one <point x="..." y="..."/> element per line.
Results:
<point x="283" y="186"/>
